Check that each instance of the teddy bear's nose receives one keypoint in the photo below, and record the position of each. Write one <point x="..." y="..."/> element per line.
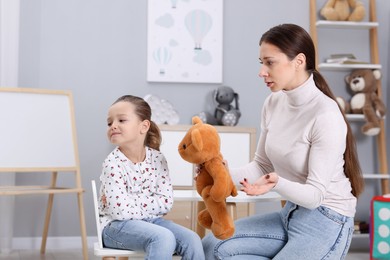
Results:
<point x="184" y="146"/>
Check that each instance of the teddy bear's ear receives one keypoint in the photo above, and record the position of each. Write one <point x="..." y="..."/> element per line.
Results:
<point x="347" y="78"/>
<point x="377" y="74"/>
<point x="215" y="96"/>
<point x="196" y="120"/>
<point x="196" y="139"/>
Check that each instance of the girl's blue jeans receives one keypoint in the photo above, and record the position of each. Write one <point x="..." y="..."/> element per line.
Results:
<point x="295" y="233"/>
<point x="158" y="238"/>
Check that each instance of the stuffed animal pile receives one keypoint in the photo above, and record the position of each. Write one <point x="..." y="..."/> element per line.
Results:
<point x="201" y="146"/>
<point x="364" y="83"/>
<point x="343" y="10"/>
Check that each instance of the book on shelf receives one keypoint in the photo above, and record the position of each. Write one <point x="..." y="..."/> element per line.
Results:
<point x="347" y="58"/>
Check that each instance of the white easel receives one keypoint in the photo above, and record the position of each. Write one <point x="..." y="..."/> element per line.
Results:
<point x="39" y="135"/>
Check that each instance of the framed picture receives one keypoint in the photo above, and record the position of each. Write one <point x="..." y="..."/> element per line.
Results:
<point x="185" y="41"/>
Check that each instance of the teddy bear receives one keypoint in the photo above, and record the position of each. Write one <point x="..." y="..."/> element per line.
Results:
<point x="343" y="10"/>
<point x="201" y="146"/>
<point x="364" y="83"/>
<point x="225" y="113"/>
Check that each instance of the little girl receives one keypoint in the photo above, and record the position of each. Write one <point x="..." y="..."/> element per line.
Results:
<point x="136" y="190"/>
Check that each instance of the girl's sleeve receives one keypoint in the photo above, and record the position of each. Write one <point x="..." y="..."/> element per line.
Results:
<point x="162" y="198"/>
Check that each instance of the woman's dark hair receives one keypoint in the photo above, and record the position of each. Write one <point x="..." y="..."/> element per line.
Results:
<point x="144" y="112"/>
<point x="292" y="40"/>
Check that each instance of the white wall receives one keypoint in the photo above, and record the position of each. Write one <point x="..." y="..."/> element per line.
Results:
<point x="97" y="49"/>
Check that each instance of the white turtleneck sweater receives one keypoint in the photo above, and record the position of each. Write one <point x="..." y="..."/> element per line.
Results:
<point x="303" y="139"/>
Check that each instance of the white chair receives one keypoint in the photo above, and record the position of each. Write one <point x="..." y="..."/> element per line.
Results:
<point x="98" y="249"/>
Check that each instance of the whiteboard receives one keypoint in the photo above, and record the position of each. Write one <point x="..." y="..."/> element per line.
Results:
<point x="37" y="129"/>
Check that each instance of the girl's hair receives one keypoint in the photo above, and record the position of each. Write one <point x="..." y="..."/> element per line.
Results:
<point x="144" y="112"/>
<point x="292" y="39"/>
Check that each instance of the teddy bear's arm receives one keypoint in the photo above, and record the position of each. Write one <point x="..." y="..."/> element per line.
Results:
<point x="358" y="11"/>
<point x="379" y="106"/>
<point x="329" y="12"/>
<point x="223" y="185"/>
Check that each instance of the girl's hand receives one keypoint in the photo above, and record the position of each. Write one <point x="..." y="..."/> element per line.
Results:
<point x="261" y="186"/>
<point x="104" y="200"/>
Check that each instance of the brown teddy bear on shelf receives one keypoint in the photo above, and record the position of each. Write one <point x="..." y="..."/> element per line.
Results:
<point x="343" y="10"/>
<point x="201" y="146"/>
<point x="364" y="84"/>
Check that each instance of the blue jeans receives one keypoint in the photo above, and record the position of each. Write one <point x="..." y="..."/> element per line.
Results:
<point x="159" y="238"/>
<point x="295" y="233"/>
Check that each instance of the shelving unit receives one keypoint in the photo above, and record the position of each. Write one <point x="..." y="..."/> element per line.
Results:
<point x="372" y="25"/>
<point x="382" y="175"/>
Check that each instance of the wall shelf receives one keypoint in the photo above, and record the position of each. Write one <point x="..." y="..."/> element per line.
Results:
<point x="347" y="67"/>
<point x="376" y="176"/>
<point x="355" y="117"/>
<point x="363" y="235"/>
<point x="346" y="25"/>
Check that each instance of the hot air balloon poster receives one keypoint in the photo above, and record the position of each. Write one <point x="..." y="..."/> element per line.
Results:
<point x="185" y="41"/>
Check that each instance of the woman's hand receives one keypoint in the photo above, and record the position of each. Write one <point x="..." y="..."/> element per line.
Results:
<point x="261" y="186"/>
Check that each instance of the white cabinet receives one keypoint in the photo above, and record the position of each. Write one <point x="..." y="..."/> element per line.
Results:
<point x="181" y="171"/>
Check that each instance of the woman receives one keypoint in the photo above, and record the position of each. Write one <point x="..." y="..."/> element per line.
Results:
<point x="306" y="153"/>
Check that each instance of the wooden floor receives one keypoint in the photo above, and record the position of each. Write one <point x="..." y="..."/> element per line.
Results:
<point x="77" y="255"/>
<point x="69" y="254"/>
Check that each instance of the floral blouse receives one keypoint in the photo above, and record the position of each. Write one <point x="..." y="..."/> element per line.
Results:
<point x="134" y="190"/>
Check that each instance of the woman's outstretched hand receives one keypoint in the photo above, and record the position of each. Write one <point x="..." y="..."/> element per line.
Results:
<point x="261" y="186"/>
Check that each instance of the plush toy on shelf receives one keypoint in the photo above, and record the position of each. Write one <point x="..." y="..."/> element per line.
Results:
<point x="162" y="110"/>
<point x="225" y="113"/>
<point x="344" y="105"/>
<point x="364" y="84"/>
<point x="343" y="10"/>
<point x="201" y="146"/>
